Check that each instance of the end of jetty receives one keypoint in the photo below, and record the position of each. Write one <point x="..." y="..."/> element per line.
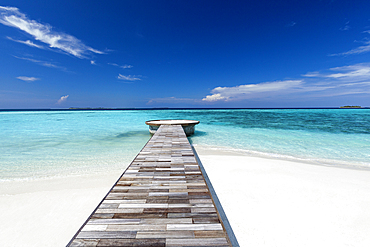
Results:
<point x="187" y="125"/>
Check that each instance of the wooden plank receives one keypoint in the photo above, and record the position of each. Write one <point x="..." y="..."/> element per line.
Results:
<point x="197" y="242"/>
<point x="133" y="242"/>
<point x="204" y="227"/>
<point x="166" y="234"/>
<point x="106" y="234"/>
<point x="142" y="227"/>
<point x="84" y="242"/>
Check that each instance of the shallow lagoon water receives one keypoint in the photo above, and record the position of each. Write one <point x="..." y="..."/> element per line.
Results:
<point x="43" y="144"/>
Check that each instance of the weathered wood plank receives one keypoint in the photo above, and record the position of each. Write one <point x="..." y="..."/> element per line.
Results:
<point x="141" y="227"/>
<point x="133" y="242"/>
<point x="197" y="242"/>
<point x="85" y="242"/>
<point x="166" y="234"/>
<point x="195" y="227"/>
<point x="106" y="234"/>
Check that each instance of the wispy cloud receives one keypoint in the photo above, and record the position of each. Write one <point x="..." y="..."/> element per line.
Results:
<point x="361" y="49"/>
<point x="27" y="42"/>
<point x="62" y="99"/>
<point x="311" y="74"/>
<point x="28" y="79"/>
<point x="172" y="100"/>
<point x="128" y="77"/>
<point x="291" y="24"/>
<point x="358" y="50"/>
<point x="346" y="27"/>
<point x="12" y="17"/>
<point x="42" y="63"/>
<point x="353" y="73"/>
<point x="122" y="66"/>
<point x="338" y="81"/>
<point x="358" y="74"/>
<point x="93" y="62"/>
<point x="126" y="66"/>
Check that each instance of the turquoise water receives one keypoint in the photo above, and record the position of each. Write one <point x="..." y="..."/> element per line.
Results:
<point x="41" y="144"/>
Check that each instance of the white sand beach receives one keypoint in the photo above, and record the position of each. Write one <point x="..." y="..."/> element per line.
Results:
<point x="272" y="202"/>
<point x="49" y="212"/>
<point x="268" y="203"/>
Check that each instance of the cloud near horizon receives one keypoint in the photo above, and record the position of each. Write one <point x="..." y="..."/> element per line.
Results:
<point x="12" y="17"/>
<point x="250" y="90"/>
<point x="62" y="99"/>
<point x="345" y="80"/>
<point x="28" y="79"/>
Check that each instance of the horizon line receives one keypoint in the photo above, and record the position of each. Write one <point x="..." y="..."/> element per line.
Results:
<point x="173" y="108"/>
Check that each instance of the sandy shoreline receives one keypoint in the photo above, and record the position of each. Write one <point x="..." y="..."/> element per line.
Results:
<point x="268" y="203"/>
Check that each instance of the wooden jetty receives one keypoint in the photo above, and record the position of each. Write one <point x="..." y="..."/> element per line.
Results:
<point x="162" y="199"/>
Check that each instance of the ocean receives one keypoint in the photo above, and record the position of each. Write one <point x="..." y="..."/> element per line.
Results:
<point x="47" y="144"/>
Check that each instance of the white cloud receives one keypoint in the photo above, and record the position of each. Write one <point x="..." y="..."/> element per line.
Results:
<point x="94" y="50"/>
<point x="214" y="97"/>
<point x="93" y="62"/>
<point x="128" y="77"/>
<point x="42" y="63"/>
<point x="62" y="99"/>
<point x="312" y="74"/>
<point x="12" y="17"/>
<point x="28" y="79"/>
<point x="358" y="50"/>
<point x="361" y="49"/>
<point x="353" y="73"/>
<point x="27" y="42"/>
<point x="126" y="66"/>
<point x="339" y="81"/>
<point x="251" y="90"/>
<point x="122" y="66"/>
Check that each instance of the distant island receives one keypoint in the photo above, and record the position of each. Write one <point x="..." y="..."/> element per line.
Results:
<point x="351" y="106"/>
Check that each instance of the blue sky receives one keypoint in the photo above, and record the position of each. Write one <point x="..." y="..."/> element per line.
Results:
<point x="61" y="54"/>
